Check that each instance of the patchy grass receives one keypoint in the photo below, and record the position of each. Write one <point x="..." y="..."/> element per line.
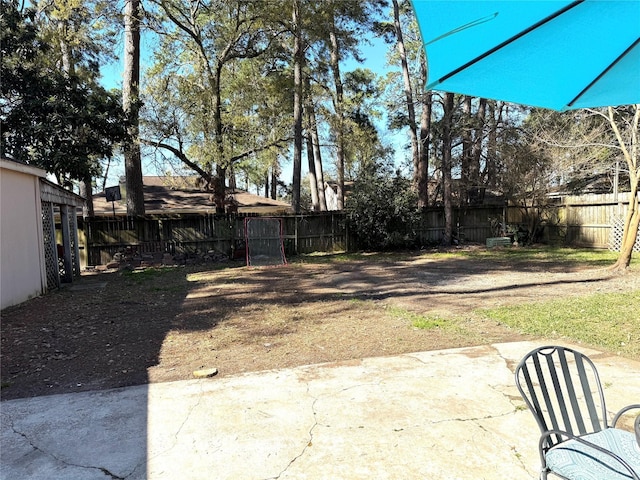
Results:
<point x="159" y="325"/>
<point x="343" y="257"/>
<point x="141" y="275"/>
<point x="541" y="254"/>
<point x="609" y="320"/>
<point x="422" y="322"/>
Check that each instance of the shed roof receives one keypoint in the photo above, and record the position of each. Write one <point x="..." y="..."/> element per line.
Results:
<point x="16" y="166"/>
<point x="49" y="191"/>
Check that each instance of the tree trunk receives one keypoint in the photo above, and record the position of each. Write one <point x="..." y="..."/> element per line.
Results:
<point x="130" y="102"/>
<point x="231" y="174"/>
<point x="219" y="180"/>
<point x="408" y="95"/>
<point x="466" y="183"/>
<point x="274" y="181"/>
<point x="67" y="63"/>
<point x="311" y="163"/>
<point x="491" y="169"/>
<point x="86" y="192"/>
<point x="476" y="150"/>
<point x="266" y="184"/>
<point x="630" y="232"/>
<point x="422" y="172"/>
<point x="313" y="182"/>
<point x="447" y="121"/>
<point x="317" y="156"/>
<point x="339" y="131"/>
<point x="298" y="58"/>
<point x="86" y="184"/>
<point x="632" y="221"/>
<point x="219" y="188"/>
<point x="631" y="154"/>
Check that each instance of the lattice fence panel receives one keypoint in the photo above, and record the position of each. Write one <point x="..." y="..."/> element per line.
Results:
<point x="615" y="235"/>
<point x="73" y="234"/>
<point x="50" y="253"/>
<point x="61" y="268"/>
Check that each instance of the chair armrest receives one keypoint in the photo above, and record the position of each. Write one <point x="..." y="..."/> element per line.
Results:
<point x="548" y="433"/>
<point x="623" y="411"/>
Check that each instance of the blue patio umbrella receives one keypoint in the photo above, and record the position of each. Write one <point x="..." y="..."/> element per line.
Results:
<point x="552" y="54"/>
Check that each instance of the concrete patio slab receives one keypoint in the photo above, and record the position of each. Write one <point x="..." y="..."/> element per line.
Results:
<point x="453" y="414"/>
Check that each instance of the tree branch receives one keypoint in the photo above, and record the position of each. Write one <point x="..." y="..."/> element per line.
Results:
<point x="275" y="143"/>
<point x="181" y="156"/>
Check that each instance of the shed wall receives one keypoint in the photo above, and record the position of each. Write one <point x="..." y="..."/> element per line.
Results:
<point x="21" y="258"/>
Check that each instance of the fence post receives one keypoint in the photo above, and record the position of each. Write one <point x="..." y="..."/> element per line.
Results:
<point x="76" y="247"/>
<point x="333" y="232"/>
<point x="295" y="241"/>
<point x="346" y="234"/>
<point x="66" y="243"/>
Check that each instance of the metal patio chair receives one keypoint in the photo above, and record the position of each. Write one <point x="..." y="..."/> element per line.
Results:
<point x="562" y="389"/>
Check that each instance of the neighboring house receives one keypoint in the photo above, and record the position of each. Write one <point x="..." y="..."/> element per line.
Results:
<point x="176" y="195"/>
<point x="331" y="197"/>
<point x="331" y="194"/>
<point x="31" y="260"/>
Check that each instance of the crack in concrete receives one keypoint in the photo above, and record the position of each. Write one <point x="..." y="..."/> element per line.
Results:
<point x="188" y="416"/>
<point x="510" y="364"/>
<point x="512" y="399"/>
<point x="472" y="419"/>
<point x="309" y="442"/>
<point x="516" y="401"/>
<point x="513" y="448"/>
<point x="113" y="476"/>
<point x="316" y="423"/>
<point x="413" y="357"/>
<point x="36" y="448"/>
<point x="177" y="432"/>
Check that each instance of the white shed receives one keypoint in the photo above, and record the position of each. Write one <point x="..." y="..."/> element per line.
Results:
<point x="31" y="260"/>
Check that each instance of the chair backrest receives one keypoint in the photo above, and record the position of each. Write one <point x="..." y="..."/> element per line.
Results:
<point x="562" y="389"/>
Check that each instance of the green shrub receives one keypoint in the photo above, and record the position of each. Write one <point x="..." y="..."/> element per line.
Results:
<point x="382" y="209"/>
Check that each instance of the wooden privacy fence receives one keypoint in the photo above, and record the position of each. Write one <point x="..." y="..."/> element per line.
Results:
<point x="592" y="221"/>
<point x="589" y="221"/>
<point x="470" y="224"/>
<point x="104" y="237"/>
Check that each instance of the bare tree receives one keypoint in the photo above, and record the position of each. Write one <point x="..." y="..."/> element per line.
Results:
<point x="586" y="144"/>
<point x="626" y="132"/>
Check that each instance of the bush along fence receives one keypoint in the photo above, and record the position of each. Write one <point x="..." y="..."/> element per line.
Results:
<point x="587" y="221"/>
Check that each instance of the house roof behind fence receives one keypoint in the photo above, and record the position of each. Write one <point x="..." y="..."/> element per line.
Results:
<point x="169" y="195"/>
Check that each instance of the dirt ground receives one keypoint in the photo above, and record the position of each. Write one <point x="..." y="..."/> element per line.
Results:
<point x="124" y="328"/>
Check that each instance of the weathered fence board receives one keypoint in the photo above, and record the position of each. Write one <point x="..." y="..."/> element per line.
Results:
<point x="581" y="221"/>
<point x="104" y="237"/>
<point x="587" y="220"/>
